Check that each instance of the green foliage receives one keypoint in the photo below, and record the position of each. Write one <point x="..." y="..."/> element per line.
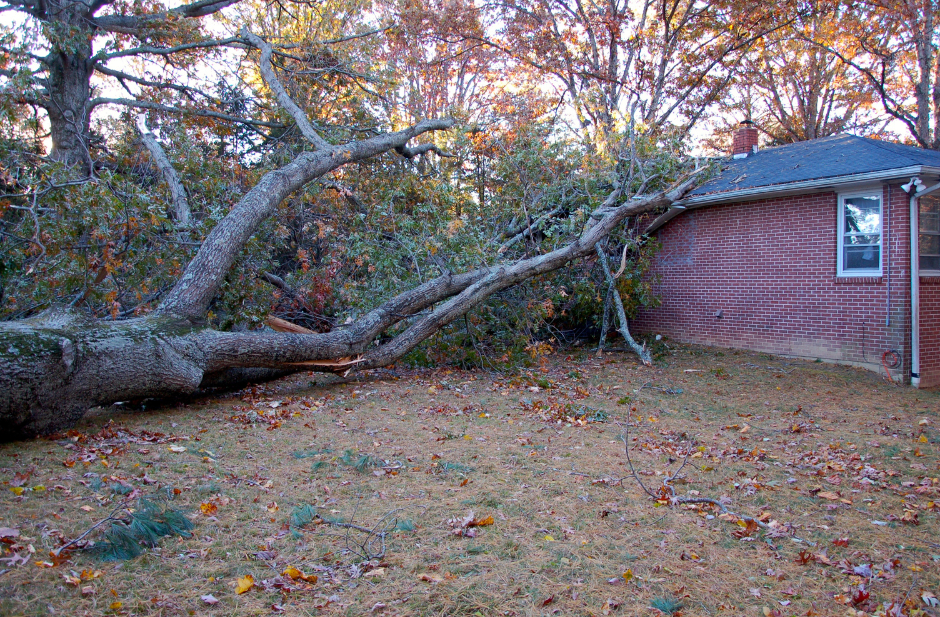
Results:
<point x="142" y="527"/>
<point x="667" y="606"/>
<point x="361" y="464"/>
<point x="303" y="514"/>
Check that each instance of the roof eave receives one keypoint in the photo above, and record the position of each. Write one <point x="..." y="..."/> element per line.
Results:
<point x="790" y="188"/>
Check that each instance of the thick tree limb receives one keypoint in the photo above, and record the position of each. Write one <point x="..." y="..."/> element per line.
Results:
<point x="191" y="296"/>
<point x="182" y="214"/>
<point x="614" y="294"/>
<point x="132" y="24"/>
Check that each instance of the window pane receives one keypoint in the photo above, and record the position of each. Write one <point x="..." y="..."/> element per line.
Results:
<point x="928" y="262"/>
<point x="862" y="258"/>
<point x="929" y="244"/>
<point x="930" y="214"/>
<point x="861" y="239"/>
<point x="863" y="215"/>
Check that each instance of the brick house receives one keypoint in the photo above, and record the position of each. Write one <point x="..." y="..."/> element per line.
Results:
<point x="805" y="250"/>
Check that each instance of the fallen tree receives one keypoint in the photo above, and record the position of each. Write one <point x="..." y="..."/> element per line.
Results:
<point x="57" y="365"/>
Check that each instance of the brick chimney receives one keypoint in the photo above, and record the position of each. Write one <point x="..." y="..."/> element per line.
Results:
<point x="745" y="140"/>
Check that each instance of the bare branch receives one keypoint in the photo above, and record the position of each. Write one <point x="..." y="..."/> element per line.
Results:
<point x="181" y="213"/>
<point x="120" y="75"/>
<point x="270" y="78"/>
<point x="614" y="293"/>
<point x="233" y="41"/>
<point x="410" y="153"/>
<point x="205" y="113"/>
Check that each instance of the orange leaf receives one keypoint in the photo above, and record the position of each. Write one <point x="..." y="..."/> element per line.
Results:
<point x="481" y="522"/>
<point x="209" y="509"/>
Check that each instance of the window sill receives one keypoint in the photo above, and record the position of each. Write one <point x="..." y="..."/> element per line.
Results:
<point x="930" y="278"/>
<point x="859" y="280"/>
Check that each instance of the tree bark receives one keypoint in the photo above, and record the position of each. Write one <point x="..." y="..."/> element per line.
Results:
<point x="69" y="82"/>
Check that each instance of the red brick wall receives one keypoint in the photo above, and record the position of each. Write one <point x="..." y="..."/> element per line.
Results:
<point x="769" y="266"/>
<point x="929" y="331"/>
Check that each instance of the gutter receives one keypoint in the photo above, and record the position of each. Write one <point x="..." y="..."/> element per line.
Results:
<point x="779" y="190"/>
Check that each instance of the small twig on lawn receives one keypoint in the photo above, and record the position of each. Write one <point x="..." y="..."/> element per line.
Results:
<point x="908" y="594"/>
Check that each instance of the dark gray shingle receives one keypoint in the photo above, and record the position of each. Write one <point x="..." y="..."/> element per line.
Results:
<point x="829" y="157"/>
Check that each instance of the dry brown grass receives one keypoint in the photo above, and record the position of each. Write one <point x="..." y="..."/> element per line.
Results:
<point x="820" y="449"/>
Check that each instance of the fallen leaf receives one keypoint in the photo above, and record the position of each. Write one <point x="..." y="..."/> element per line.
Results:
<point x="628" y="576"/>
<point x="7" y="532"/>
<point x="481" y="522"/>
<point x="244" y="584"/>
<point x="929" y="599"/>
<point x="295" y="574"/>
<point x="430" y="578"/>
<point x="177" y="449"/>
<point x="828" y="495"/>
<point x="209" y="599"/>
<point x="548" y="600"/>
<point x="116" y="605"/>
<point x="209" y="509"/>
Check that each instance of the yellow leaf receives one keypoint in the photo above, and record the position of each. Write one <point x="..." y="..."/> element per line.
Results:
<point x="549" y="539"/>
<point x="628" y="575"/>
<point x="17" y="490"/>
<point x="209" y="508"/>
<point x="482" y="522"/>
<point x="468" y="437"/>
<point x="922" y="439"/>
<point x="244" y="584"/>
<point x="292" y="572"/>
<point x="116" y="605"/>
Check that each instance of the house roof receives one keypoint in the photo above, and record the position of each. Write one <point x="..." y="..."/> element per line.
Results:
<point x="840" y="156"/>
<point x="807" y="166"/>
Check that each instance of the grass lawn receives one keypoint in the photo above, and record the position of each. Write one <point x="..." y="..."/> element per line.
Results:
<point x="442" y="492"/>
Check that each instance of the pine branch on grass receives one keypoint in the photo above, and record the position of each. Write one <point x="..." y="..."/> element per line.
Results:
<point x="133" y="530"/>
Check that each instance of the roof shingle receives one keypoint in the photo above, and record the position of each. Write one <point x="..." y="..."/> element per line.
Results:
<point x="828" y="157"/>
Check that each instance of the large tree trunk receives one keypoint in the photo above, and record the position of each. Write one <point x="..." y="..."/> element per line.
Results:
<point x="69" y="88"/>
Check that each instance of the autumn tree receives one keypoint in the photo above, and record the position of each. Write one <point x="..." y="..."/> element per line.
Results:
<point x="892" y="45"/>
<point x="795" y="90"/>
<point x="661" y="64"/>
<point x="59" y="51"/>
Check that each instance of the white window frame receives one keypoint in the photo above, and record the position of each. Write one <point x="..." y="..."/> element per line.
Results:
<point x="858" y="272"/>
<point x="923" y="271"/>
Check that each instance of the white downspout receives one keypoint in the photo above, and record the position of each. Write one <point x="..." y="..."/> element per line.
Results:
<point x="915" y="296"/>
<point x="915" y="189"/>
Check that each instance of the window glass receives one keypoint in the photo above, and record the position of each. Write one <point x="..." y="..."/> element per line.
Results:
<point x="929" y="243"/>
<point x="860" y="242"/>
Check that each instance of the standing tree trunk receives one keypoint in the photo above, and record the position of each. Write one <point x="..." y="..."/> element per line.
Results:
<point x="69" y="88"/>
